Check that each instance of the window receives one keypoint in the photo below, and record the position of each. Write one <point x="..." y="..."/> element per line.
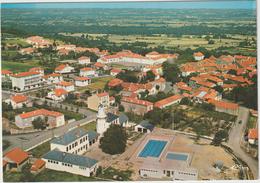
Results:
<point x="70" y="147"/>
<point x="67" y="149"/>
<point x="80" y="141"/>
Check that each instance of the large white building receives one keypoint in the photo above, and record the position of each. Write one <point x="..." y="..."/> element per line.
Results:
<point x="18" y="101"/>
<point x="87" y="72"/>
<point x="76" y="141"/>
<point x="26" y="81"/>
<point x="71" y="163"/>
<point x="68" y="86"/>
<point x="54" y="119"/>
<point x="128" y="56"/>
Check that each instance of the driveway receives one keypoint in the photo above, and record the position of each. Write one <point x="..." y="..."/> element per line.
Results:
<point x="236" y="135"/>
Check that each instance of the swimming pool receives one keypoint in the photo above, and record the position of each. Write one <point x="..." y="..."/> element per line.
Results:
<point x="177" y="156"/>
<point x="153" y="148"/>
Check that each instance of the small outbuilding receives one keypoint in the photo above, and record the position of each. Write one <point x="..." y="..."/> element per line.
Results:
<point x="144" y="127"/>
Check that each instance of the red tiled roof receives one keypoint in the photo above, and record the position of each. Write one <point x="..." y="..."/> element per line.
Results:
<point x="19" y="98"/>
<point x="24" y="74"/>
<point x="253" y="133"/>
<point x="115" y="82"/>
<point x="38" y="164"/>
<point x="198" y="54"/>
<point x="5" y="72"/>
<point x="115" y="70"/>
<point x="83" y="58"/>
<point x="166" y="101"/>
<point x="64" y="83"/>
<point x="102" y="94"/>
<point x="98" y="64"/>
<point x="82" y="78"/>
<point x="87" y="69"/>
<point x="61" y="67"/>
<point x="136" y="101"/>
<point x="16" y="155"/>
<point x="52" y="75"/>
<point x="36" y="69"/>
<point x="224" y="105"/>
<point x="59" y="92"/>
<point x="39" y="112"/>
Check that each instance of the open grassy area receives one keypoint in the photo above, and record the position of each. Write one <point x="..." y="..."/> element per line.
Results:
<point x="18" y="66"/>
<point x="16" y="41"/>
<point x="98" y="83"/>
<point x="90" y="126"/>
<point x="40" y="150"/>
<point x="112" y="173"/>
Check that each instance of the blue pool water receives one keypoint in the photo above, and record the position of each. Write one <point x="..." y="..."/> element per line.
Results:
<point x="176" y="156"/>
<point x="153" y="148"/>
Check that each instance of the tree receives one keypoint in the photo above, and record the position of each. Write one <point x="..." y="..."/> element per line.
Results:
<point x="40" y="123"/>
<point x="114" y="140"/>
<point x="150" y="76"/>
<point x="171" y="72"/>
<point x="218" y="89"/>
<point x="219" y="136"/>
<point x="211" y="42"/>
<point x="185" y="101"/>
<point x="207" y="106"/>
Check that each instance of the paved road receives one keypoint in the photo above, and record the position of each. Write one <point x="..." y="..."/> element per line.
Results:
<point x="235" y="136"/>
<point x="26" y="141"/>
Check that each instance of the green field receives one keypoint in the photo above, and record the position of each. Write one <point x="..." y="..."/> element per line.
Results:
<point x="16" y="41"/>
<point x="90" y="126"/>
<point x="40" y="150"/>
<point x="18" y="66"/>
<point x="98" y="83"/>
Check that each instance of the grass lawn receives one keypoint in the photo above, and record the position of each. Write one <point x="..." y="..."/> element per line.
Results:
<point x="41" y="149"/>
<point x="18" y="41"/>
<point x="12" y="176"/>
<point x="98" y="83"/>
<point x="110" y="172"/>
<point x="18" y="66"/>
<point x="90" y="126"/>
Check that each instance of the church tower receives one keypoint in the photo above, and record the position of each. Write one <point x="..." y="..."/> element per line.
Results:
<point x="101" y="120"/>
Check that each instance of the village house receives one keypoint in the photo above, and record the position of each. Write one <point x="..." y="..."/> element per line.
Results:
<point x="198" y="56"/>
<point x="84" y="60"/>
<point x="115" y="82"/>
<point x="253" y="136"/>
<point x="57" y="94"/>
<point x="68" y="86"/>
<point x="115" y="71"/>
<point x="28" y="51"/>
<point x="76" y="141"/>
<point x="87" y="72"/>
<point x="139" y="107"/>
<point x="100" y="66"/>
<point x="144" y="127"/>
<point x="53" y="78"/>
<point x="64" y="69"/>
<point x="71" y="163"/>
<point x="54" y="119"/>
<point x="227" y="107"/>
<point x="18" y="101"/>
<point x="37" y="166"/>
<point x="26" y="81"/>
<point x="181" y="88"/>
<point x="62" y="52"/>
<point x="15" y="159"/>
<point x="82" y="81"/>
<point x="100" y="98"/>
<point x="112" y="100"/>
<point x="168" y="101"/>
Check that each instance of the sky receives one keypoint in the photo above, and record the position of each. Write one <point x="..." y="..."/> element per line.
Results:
<point x="213" y="4"/>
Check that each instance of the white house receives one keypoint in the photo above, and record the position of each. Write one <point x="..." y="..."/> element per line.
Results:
<point x="68" y="86"/>
<point x="168" y="101"/>
<point x="26" y="80"/>
<point x="144" y="127"/>
<point x="82" y="81"/>
<point x="100" y="98"/>
<point x="53" y="78"/>
<point x="54" y="119"/>
<point x="64" y="69"/>
<point x="57" y="94"/>
<point x="198" y="56"/>
<point x="72" y="163"/>
<point x="253" y="136"/>
<point x="84" y="60"/>
<point x="17" y="101"/>
<point x="115" y="71"/>
<point x="87" y="72"/>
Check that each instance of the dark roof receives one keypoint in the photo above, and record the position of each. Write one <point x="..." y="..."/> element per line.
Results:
<point x="72" y="159"/>
<point x="73" y="135"/>
<point x="92" y="135"/>
<point x="146" y="124"/>
<point x="123" y="118"/>
<point x="111" y="117"/>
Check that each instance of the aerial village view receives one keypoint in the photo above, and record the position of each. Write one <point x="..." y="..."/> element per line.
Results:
<point x="129" y="91"/>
